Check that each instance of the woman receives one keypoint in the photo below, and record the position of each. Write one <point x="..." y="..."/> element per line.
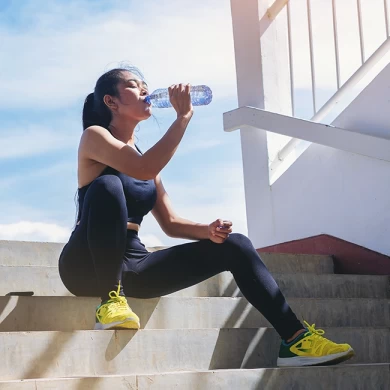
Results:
<point x="118" y="186"/>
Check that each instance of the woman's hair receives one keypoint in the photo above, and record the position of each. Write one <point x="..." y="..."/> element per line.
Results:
<point x="95" y="111"/>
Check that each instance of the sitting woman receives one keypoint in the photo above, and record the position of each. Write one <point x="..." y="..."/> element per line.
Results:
<point x="118" y="185"/>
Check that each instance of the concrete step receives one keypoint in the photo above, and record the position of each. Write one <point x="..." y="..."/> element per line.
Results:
<point x="45" y="281"/>
<point x="29" y="355"/>
<point x="341" y="377"/>
<point x="320" y="286"/>
<point x="31" y="280"/>
<point x="24" y="253"/>
<point x="71" y="313"/>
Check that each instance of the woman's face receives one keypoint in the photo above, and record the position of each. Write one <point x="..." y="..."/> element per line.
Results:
<point x="131" y="101"/>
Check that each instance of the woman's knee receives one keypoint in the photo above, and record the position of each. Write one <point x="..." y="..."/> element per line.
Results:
<point x="107" y="186"/>
<point x="240" y="247"/>
<point x="238" y="241"/>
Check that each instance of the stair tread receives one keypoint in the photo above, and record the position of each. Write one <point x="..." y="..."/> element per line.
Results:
<point x="45" y="281"/>
<point x="64" y="354"/>
<point x="221" y="372"/>
<point x="72" y="313"/>
<point x="16" y="253"/>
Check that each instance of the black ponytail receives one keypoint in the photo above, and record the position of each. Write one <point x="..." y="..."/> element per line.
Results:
<point x="91" y="116"/>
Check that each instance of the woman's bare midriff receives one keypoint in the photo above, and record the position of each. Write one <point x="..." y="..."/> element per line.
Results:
<point x="130" y="226"/>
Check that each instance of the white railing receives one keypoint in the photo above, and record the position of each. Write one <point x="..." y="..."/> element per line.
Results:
<point x="334" y="137"/>
<point x="342" y="89"/>
<point x="336" y="37"/>
<point x="335" y="99"/>
<point x="265" y="34"/>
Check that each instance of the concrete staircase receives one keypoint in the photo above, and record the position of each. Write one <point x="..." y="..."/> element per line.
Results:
<point x="204" y="337"/>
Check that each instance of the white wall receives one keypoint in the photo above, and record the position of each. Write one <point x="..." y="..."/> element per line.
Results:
<point x="369" y="112"/>
<point x="325" y="190"/>
<point x="339" y="193"/>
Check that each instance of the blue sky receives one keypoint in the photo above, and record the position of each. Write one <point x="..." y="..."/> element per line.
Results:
<point x="52" y="53"/>
<point x="55" y="51"/>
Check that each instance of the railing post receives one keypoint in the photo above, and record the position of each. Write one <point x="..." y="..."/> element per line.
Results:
<point x="263" y="81"/>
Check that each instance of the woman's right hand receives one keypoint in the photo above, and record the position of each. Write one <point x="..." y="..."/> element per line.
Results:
<point x="180" y="98"/>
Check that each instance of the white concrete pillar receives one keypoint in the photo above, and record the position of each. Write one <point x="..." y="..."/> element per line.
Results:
<point x="263" y="81"/>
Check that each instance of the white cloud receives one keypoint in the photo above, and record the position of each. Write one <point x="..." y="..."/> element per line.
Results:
<point x="67" y="58"/>
<point x="32" y="140"/>
<point x="55" y="62"/>
<point x="204" y="199"/>
<point x="34" y="231"/>
<point x="175" y="41"/>
<point x="13" y="211"/>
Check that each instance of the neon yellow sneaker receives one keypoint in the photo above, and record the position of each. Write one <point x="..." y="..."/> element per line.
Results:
<point x="116" y="313"/>
<point x="311" y="349"/>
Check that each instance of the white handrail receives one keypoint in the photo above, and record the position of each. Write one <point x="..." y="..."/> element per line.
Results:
<point x="329" y="105"/>
<point x="275" y="8"/>
<point x="342" y="89"/>
<point x="367" y="65"/>
<point x="335" y="137"/>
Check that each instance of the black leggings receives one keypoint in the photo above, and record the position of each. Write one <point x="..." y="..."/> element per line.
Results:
<point x="102" y="251"/>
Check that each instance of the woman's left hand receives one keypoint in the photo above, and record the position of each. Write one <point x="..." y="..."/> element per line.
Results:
<point x="219" y="230"/>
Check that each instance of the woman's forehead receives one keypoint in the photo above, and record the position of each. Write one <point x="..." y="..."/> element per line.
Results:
<point x="128" y="76"/>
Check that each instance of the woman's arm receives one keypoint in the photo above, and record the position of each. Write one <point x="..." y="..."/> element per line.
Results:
<point x="172" y="224"/>
<point x="177" y="227"/>
<point x="98" y="144"/>
<point x="183" y="228"/>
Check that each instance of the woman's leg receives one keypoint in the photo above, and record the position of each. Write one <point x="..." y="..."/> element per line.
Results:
<point x="92" y="261"/>
<point x="166" y="271"/>
<point x="106" y="233"/>
<point x="163" y="272"/>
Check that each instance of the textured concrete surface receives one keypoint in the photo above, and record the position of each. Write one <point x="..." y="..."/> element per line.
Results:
<point x="71" y="313"/>
<point x="45" y="281"/>
<point x="24" y="253"/>
<point x="28" y="355"/>
<point x="16" y="253"/>
<point x="31" y="280"/>
<point x="108" y="382"/>
<point x="344" y="377"/>
<point x="192" y="339"/>
<point x="319" y="378"/>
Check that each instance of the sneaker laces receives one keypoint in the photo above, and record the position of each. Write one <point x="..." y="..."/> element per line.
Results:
<point x="313" y="330"/>
<point x="318" y="334"/>
<point x="325" y="345"/>
<point x="117" y="303"/>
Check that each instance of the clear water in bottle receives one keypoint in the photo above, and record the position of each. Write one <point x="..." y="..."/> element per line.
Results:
<point x="201" y="95"/>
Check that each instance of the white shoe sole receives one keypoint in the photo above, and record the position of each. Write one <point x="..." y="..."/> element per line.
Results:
<point x="300" y="361"/>
<point x="128" y="323"/>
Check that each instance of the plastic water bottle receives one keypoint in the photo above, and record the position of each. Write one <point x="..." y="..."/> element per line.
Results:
<point x="201" y="95"/>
